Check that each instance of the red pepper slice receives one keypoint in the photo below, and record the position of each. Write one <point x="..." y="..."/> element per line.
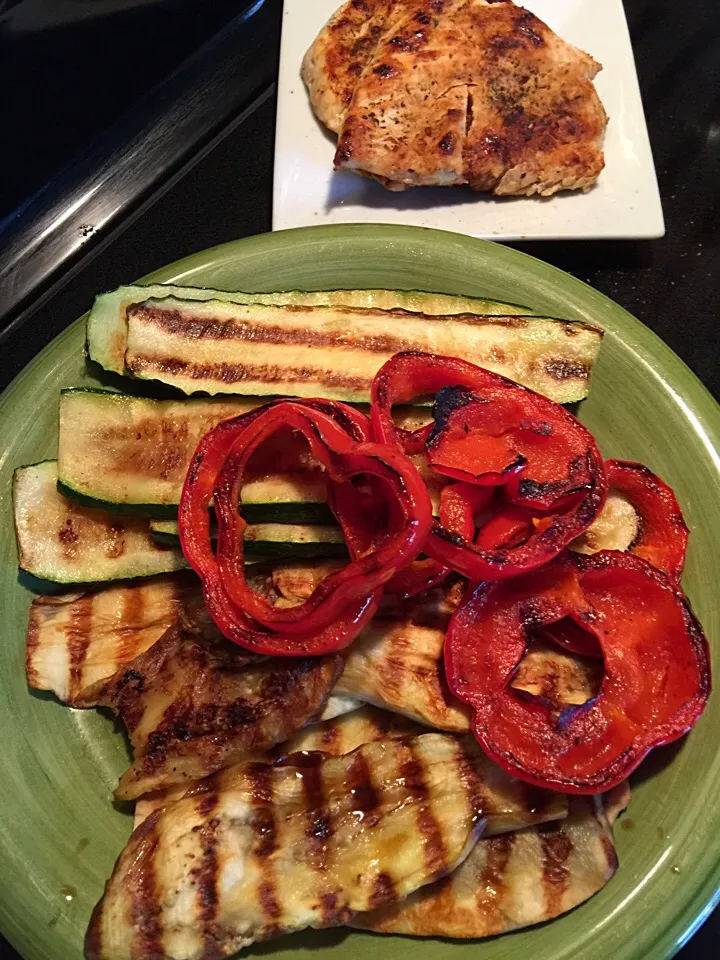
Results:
<point x="459" y="502"/>
<point x="663" y="536"/>
<point x="579" y="493"/>
<point x="217" y="471"/>
<point x="657" y="669"/>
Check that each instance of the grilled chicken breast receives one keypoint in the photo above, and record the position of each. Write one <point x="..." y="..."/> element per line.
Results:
<point x="264" y="850"/>
<point x="192" y="706"/>
<point x="514" y="880"/>
<point x="511" y="804"/>
<point x="446" y="92"/>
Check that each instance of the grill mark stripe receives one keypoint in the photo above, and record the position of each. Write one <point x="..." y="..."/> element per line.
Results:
<point x="361" y="788"/>
<point x="492" y="888"/>
<point x="538" y="801"/>
<point x="319" y="833"/>
<point x="242" y="372"/>
<point x="207" y="876"/>
<point x="259" y="330"/>
<point x="330" y="736"/>
<point x="32" y="642"/>
<point x="610" y="853"/>
<point x="383" y="891"/>
<point x="145" y="909"/>
<point x="140" y="363"/>
<point x="556" y="848"/>
<point x="261" y="793"/>
<point x="413" y="772"/>
<point x="389" y="667"/>
<point x="474" y="784"/>
<point x="132" y="615"/>
<point x="78" y="631"/>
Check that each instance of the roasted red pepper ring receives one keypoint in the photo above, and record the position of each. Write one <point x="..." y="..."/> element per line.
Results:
<point x="409" y="375"/>
<point x="240" y="629"/>
<point x="342" y="458"/>
<point x="194" y="512"/>
<point x="657" y="669"/>
<point x="194" y="517"/>
<point x="663" y="536"/>
<point x="459" y="502"/>
<point x="217" y="471"/>
<point x="499" y="562"/>
<point x="488" y="429"/>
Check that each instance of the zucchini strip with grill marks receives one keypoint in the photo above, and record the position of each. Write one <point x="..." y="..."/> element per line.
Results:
<point x="107" y="321"/>
<point x="130" y="455"/>
<point x="334" y="352"/>
<point x="271" y="541"/>
<point x="63" y="542"/>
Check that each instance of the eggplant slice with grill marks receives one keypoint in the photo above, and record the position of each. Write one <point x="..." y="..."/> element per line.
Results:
<point x="514" y="880"/>
<point x="76" y="640"/>
<point x="510" y="803"/>
<point x="261" y="850"/>
<point x="194" y="705"/>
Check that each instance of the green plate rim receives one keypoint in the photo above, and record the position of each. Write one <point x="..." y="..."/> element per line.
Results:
<point x="658" y="359"/>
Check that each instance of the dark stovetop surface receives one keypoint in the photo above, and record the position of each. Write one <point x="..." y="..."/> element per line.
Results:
<point x="670" y="284"/>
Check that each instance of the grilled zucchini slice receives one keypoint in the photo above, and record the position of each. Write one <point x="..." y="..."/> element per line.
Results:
<point x="227" y="348"/>
<point x="274" y="541"/>
<point x="131" y="454"/>
<point x="62" y="542"/>
<point x="107" y="323"/>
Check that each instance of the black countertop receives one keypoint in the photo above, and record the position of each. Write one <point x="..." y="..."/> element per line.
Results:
<point x="670" y="284"/>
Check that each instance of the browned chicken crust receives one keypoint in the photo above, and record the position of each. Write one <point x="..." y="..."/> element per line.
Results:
<point x="446" y="92"/>
<point x="194" y="705"/>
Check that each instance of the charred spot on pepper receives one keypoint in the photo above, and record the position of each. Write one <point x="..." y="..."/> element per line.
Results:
<point x="447" y="400"/>
<point x="444" y="534"/>
<point x="385" y="71"/>
<point x="540" y="428"/>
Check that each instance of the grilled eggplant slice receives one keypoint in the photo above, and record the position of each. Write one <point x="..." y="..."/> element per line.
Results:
<point x="615" y="527"/>
<point x="63" y="542"/>
<point x="76" y="640"/>
<point x="194" y="705"/>
<point x="335" y="352"/>
<point x="262" y="850"/>
<point x="396" y="662"/>
<point x="514" y="880"/>
<point x="513" y="804"/>
<point x="107" y="322"/>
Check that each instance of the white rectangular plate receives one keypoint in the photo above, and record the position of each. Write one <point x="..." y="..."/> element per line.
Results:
<point x="625" y="203"/>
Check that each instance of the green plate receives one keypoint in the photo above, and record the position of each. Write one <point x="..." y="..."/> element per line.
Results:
<point x="59" y="832"/>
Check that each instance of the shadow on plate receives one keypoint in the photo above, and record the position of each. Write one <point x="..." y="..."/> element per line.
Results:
<point x="135" y="388"/>
<point x="347" y="188"/>
<point x="304" y="940"/>
<point x="657" y="761"/>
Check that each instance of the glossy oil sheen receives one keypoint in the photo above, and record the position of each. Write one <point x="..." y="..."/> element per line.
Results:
<point x="59" y="832"/>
